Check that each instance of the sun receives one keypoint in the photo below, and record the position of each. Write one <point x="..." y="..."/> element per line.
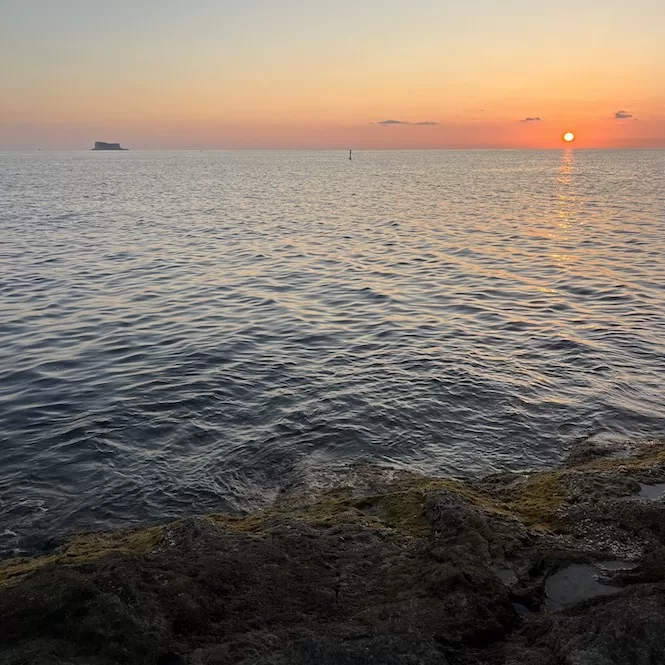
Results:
<point x="568" y="137"/>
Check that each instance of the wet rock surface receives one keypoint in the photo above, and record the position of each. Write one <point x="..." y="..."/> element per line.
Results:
<point x="561" y="567"/>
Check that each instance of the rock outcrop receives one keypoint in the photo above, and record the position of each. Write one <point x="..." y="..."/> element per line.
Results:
<point x="561" y="567"/>
<point x="100" y="145"/>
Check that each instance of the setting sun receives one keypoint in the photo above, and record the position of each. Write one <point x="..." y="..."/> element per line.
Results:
<point x="568" y="137"/>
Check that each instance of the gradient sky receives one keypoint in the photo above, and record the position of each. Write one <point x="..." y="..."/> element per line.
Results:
<point x="307" y="74"/>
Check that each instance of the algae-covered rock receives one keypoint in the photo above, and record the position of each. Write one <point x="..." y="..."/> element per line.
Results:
<point x="404" y="570"/>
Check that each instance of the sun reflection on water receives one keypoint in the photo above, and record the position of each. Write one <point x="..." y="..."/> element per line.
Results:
<point x="566" y="209"/>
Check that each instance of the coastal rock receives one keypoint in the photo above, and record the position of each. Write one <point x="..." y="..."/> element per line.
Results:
<point x="376" y="650"/>
<point x="624" y="630"/>
<point x="407" y="570"/>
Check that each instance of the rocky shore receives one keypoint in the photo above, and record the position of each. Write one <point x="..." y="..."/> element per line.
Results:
<point x="561" y="567"/>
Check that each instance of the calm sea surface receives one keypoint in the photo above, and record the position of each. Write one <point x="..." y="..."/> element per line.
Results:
<point x="185" y="332"/>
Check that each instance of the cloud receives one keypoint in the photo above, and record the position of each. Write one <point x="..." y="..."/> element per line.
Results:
<point x="405" y="122"/>
<point x="622" y="115"/>
<point x="534" y="119"/>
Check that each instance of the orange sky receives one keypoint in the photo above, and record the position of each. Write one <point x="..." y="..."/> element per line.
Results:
<point x="225" y="74"/>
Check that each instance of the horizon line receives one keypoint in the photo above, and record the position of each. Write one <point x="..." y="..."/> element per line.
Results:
<point x="344" y="150"/>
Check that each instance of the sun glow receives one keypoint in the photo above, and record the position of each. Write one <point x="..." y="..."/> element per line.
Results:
<point x="568" y="137"/>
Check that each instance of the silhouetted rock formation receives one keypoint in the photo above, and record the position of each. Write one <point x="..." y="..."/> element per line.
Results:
<point x="100" y="145"/>
<point x="386" y="568"/>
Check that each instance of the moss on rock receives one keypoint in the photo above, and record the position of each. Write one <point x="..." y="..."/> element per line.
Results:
<point x="84" y="548"/>
<point x="538" y="499"/>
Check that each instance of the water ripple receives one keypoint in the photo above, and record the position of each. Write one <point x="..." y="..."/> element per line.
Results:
<point x="181" y="332"/>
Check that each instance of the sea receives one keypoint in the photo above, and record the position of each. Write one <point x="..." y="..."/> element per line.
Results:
<point x="190" y="332"/>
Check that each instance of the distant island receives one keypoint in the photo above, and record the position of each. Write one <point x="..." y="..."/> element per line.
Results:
<point x="100" y="145"/>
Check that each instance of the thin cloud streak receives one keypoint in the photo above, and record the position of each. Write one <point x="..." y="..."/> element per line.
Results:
<point x="386" y="123"/>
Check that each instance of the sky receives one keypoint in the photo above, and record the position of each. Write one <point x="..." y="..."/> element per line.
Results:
<point x="362" y="74"/>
